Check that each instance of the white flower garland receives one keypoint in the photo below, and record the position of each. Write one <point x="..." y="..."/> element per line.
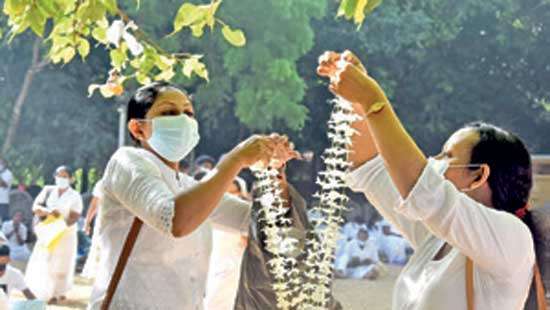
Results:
<point x="308" y="286"/>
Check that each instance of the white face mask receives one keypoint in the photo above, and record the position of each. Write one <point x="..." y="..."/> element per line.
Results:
<point x="174" y="137"/>
<point x="62" y="182"/>
<point x="441" y="166"/>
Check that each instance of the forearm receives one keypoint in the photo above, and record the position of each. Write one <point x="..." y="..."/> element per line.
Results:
<point x="92" y="211"/>
<point x="40" y="210"/>
<point x="193" y="207"/>
<point x="28" y="294"/>
<point x="404" y="160"/>
<point x="363" y="147"/>
<point x="73" y="218"/>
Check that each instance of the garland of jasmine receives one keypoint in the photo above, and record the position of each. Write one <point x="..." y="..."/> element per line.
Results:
<point x="278" y="232"/>
<point x="308" y="286"/>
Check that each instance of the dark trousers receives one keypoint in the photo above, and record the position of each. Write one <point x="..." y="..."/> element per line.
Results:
<point x="4" y="212"/>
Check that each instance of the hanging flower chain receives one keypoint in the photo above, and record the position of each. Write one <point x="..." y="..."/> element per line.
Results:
<point x="308" y="286"/>
<point x="278" y="233"/>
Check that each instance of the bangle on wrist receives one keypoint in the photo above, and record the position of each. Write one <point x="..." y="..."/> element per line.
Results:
<point x="375" y="108"/>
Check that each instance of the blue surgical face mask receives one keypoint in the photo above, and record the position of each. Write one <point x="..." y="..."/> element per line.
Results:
<point x="174" y="137"/>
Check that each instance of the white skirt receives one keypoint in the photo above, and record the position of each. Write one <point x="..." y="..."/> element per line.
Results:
<point x="52" y="274"/>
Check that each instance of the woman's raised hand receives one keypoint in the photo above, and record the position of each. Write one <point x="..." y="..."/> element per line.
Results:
<point x="274" y="150"/>
<point x="349" y="79"/>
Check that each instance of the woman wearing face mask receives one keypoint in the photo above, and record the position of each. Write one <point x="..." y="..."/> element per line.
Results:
<point x="168" y="265"/>
<point x="50" y="273"/>
<point x="469" y="204"/>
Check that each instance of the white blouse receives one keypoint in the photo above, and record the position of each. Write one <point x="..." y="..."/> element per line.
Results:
<point x="436" y="212"/>
<point x="69" y="201"/>
<point x="163" y="272"/>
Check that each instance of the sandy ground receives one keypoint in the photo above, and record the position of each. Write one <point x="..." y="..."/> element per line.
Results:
<point x="353" y="294"/>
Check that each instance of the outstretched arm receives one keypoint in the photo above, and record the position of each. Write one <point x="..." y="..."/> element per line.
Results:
<point x="351" y="82"/>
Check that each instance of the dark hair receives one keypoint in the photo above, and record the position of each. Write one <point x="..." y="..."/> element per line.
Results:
<point x="63" y="168"/>
<point x="511" y="176"/>
<point x="4" y="250"/>
<point x="143" y="99"/>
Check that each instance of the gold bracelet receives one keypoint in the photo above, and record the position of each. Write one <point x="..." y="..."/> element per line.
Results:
<point x="376" y="108"/>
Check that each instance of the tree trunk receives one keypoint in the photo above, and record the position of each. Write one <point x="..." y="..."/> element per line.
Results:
<point x="35" y="66"/>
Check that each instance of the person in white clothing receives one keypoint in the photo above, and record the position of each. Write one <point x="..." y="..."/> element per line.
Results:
<point x="467" y="203"/>
<point x="359" y="258"/>
<point x="16" y="233"/>
<point x="225" y="262"/>
<point x="6" y="178"/>
<point x="11" y="278"/>
<point x="168" y="266"/>
<point x="50" y="273"/>
<point x="90" y="267"/>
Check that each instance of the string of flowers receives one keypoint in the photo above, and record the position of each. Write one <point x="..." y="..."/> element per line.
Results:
<point x="278" y="233"/>
<point x="307" y="286"/>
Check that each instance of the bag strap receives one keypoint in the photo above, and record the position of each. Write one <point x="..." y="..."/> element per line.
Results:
<point x="470" y="283"/>
<point x="121" y="264"/>
<point x="541" y="298"/>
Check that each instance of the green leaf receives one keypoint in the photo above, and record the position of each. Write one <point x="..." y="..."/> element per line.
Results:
<point x="198" y="30"/>
<point x="100" y="34"/>
<point x="210" y="12"/>
<point x="66" y="5"/>
<point x="165" y="75"/>
<point x="235" y="37"/>
<point x="83" y="47"/>
<point x="164" y="63"/>
<point x="142" y="78"/>
<point x="48" y="7"/>
<point x="118" y="58"/>
<point x="347" y="8"/>
<point x="359" y="14"/>
<point x="37" y="21"/>
<point x="193" y="65"/>
<point x="68" y="54"/>
<point x="111" y="6"/>
<point x="187" y="15"/>
<point x="14" y="7"/>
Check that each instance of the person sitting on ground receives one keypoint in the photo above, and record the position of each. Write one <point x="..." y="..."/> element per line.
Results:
<point x="393" y="247"/>
<point x="360" y="258"/>
<point x="16" y="233"/>
<point x="10" y="277"/>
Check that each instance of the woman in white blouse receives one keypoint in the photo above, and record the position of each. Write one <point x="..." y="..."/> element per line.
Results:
<point x="468" y="202"/>
<point x="168" y="266"/>
<point x="50" y="274"/>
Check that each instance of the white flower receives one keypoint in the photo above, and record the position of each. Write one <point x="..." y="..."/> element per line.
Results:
<point x="118" y="31"/>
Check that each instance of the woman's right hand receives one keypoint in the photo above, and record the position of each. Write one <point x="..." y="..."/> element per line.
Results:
<point x="55" y="213"/>
<point x="264" y="149"/>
